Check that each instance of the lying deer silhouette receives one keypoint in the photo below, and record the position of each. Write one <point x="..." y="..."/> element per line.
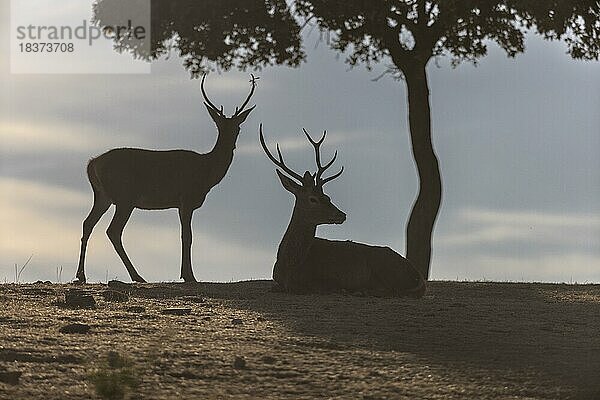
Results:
<point x="157" y="180"/>
<point x="306" y="263"/>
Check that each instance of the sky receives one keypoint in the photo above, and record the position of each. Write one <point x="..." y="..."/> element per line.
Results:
<point x="518" y="142"/>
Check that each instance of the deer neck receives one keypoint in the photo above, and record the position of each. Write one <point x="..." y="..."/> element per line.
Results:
<point x="296" y="241"/>
<point x="221" y="156"/>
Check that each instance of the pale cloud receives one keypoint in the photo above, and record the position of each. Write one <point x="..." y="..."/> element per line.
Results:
<point x="531" y="217"/>
<point x="482" y="227"/>
<point x="518" y="245"/>
<point x="25" y="194"/>
<point x="21" y="137"/>
<point x="34" y="217"/>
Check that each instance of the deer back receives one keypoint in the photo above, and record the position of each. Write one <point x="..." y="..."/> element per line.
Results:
<point x="148" y="178"/>
<point x="333" y="266"/>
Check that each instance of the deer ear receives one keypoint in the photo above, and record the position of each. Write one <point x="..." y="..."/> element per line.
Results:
<point x="288" y="183"/>
<point x="243" y="115"/>
<point x="214" y="114"/>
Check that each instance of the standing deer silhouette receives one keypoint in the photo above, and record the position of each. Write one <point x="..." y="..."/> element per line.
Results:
<point x="309" y="264"/>
<point x="157" y="180"/>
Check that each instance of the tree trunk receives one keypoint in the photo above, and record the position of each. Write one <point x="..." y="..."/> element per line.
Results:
<point x="425" y="209"/>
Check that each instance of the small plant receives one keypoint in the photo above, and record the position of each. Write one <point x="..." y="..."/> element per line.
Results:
<point x="19" y="271"/>
<point x="116" y="379"/>
<point x="59" y="271"/>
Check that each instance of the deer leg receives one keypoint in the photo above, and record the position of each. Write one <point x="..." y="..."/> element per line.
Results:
<point x="185" y="217"/>
<point x="101" y="204"/>
<point x="115" y="233"/>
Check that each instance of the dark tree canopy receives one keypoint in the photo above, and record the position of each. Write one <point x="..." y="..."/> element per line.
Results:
<point x="226" y="33"/>
<point x="409" y="30"/>
<point x="257" y="33"/>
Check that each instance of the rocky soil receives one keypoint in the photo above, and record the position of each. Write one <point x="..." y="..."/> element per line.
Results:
<point x="240" y="340"/>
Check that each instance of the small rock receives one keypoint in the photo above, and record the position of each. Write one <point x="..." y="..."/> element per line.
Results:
<point x="193" y="299"/>
<point x="115" y="295"/>
<point x="10" y="377"/>
<point x="239" y="363"/>
<point x="136" y="309"/>
<point x="207" y="318"/>
<point x="237" y="321"/>
<point x="75" y="328"/>
<point x="268" y="359"/>
<point x="176" y="311"/>
<point x="77" y="298"/>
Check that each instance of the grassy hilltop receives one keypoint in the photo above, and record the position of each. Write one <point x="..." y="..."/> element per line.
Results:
<point x="463" y="340"/>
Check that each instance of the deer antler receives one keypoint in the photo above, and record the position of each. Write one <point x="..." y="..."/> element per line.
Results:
<point x="322" y="168"/>
<point x="280" y="163"/>
<point x="332" y="177"/>
<point x="207" y="100"/>
<point x="253" y="80"/>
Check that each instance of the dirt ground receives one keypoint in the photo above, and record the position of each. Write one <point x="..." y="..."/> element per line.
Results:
<point x="240" y="340"/>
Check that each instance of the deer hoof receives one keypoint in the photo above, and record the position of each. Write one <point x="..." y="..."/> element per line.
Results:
<point x="138" y="279"/>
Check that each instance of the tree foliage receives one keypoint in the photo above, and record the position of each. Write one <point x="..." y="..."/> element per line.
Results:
<point x="407" y="31"/>
<point x="256" y="33"/>
<point x="224" y="33"/>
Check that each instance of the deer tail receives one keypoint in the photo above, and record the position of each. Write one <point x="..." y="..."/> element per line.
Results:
<point x="93" y="177"/>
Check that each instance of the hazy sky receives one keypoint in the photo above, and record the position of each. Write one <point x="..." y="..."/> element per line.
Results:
<point x="518" y="142"/>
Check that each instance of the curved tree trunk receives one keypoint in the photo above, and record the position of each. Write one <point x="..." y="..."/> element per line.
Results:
<point x="425" y="209"/>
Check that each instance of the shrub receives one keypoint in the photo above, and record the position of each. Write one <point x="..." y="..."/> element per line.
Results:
<point x="116" y="379"/>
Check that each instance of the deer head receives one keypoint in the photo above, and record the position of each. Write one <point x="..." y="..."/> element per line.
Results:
<point x="229" y="125"/>
<point x="311" y="203"/>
